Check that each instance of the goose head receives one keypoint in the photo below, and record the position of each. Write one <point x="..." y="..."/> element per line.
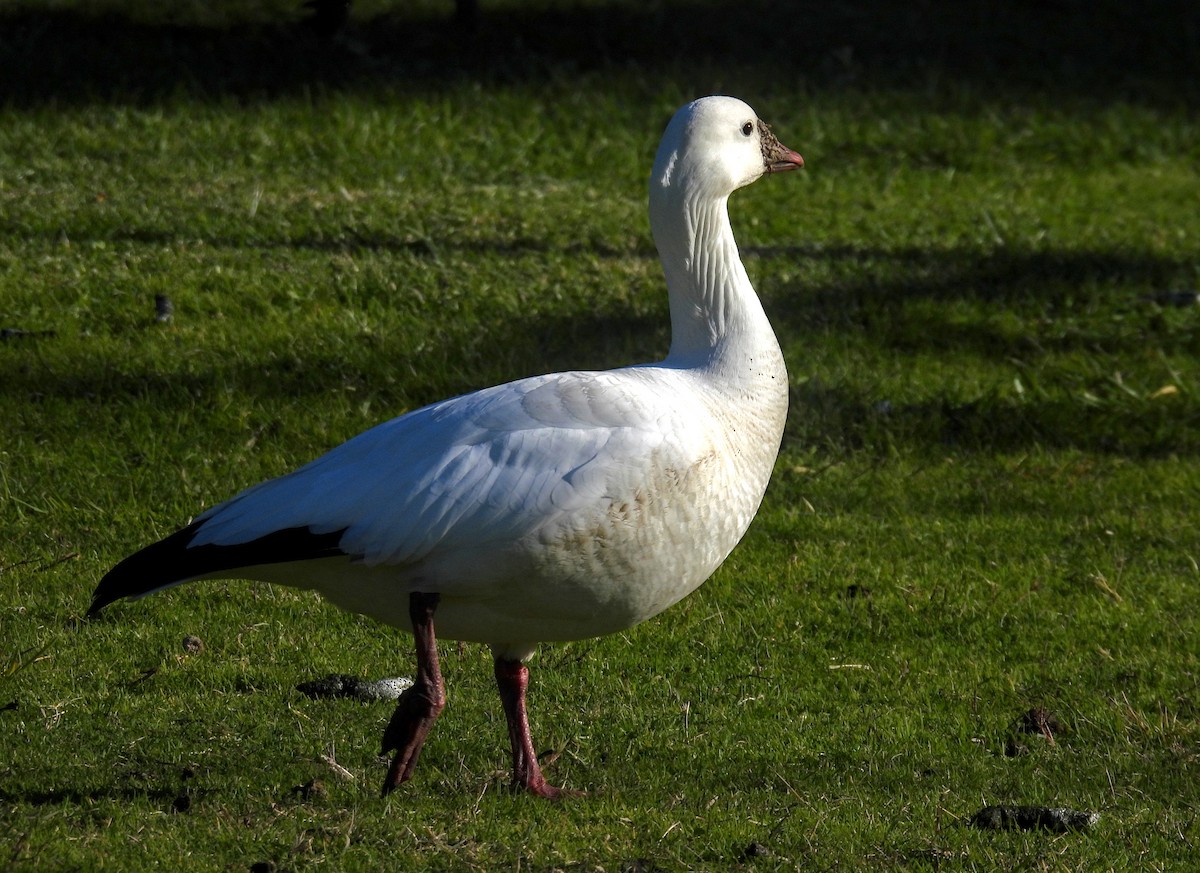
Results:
<point x="713" y="146"/>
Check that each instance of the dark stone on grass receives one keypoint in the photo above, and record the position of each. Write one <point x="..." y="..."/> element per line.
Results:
<point x="193" y="645"/>
<point x="339" y="685"/>
<point x="164" y="309"/>
<point x="313" y="789"/>
<point x="1039" y="721"/>
<point x="754" y="850"/>
<point x="1056" y="819"/>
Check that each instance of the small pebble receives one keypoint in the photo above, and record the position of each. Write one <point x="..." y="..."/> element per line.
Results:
<point x="754" y="850"/>
<point x="855" y="591"/>
<point x="314" y="789"/>
<point x="164" y="309"/>
<point x="1039" y="721"/>
<point x="193" y="645"/>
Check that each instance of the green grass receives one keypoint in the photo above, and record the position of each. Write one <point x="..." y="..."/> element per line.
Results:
<point x="986" y="502"/>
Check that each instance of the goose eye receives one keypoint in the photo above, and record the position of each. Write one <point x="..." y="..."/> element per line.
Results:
<point x="747" y="128"/>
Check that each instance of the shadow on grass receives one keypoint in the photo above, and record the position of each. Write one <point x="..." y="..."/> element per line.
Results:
<point x="1074" y="288"/>
<point x="1094" y="51"/>
<point x="831" y="419"/>
<point x="351" y="240"/>
<point x="1103" y="300"/>
<point x="82" y="796"/>
<point x="1085" y="316"/>
<point x="996" y="276"/>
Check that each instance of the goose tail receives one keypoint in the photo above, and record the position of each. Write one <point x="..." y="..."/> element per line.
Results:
<point x="174" y="560"/>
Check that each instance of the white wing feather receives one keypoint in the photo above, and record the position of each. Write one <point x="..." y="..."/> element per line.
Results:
<point x="490" y="466"/>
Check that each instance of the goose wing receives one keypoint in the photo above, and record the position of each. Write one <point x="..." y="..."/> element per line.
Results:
<point x="484" y="467"/>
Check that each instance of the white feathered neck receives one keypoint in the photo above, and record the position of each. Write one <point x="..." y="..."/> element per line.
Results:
<point x="713" y="304"/>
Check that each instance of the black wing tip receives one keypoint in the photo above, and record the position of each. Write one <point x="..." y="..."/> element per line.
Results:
<point x="174" y="560"/>
<point x="111" y="589"/>
<point x="156" y="566"/>
<point x="98" y="603"/>
<point x="106" y="592"/>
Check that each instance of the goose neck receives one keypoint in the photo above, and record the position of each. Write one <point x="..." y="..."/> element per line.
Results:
<point x="712" y="301"/>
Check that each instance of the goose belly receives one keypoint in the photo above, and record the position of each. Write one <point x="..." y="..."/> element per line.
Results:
<point x="605" y="570"/>
<point x="581" y="575"/>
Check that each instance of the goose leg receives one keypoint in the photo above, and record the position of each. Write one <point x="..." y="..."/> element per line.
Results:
<point x="512" y="678"/>
<point x="421" y="702"/>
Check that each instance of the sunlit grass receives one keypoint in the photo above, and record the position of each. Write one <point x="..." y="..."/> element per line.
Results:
<point x="985" y="503"/>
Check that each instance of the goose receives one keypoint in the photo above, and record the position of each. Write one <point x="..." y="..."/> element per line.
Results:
<point x="557" y="507"/>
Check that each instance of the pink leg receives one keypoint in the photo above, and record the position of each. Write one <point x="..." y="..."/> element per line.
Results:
<point x="421" y="703"/>
<point x="512" y="678"/>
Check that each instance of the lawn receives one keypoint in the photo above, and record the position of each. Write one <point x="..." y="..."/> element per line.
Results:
<point x="986" y="505"/>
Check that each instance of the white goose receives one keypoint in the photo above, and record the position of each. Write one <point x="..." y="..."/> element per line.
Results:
<point x="556" y="507"/>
